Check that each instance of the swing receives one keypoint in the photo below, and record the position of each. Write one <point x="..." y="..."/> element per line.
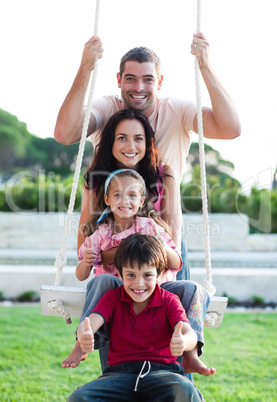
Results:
<point x="64" y="301"/>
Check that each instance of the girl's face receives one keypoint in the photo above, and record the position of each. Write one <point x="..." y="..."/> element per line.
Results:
<point x="124" y="197"/>
<point x="129" y="144"/>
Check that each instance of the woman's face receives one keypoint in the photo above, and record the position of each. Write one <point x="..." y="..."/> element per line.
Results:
<point x="129" y="144"/>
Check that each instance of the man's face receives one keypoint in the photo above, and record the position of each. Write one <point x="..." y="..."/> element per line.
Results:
<point x="139" y="85"/>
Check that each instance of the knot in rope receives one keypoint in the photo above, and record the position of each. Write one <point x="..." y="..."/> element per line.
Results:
<point x="209" y="287"/>
<point x="57" y="306"/>
<point x="211" y="319"/>
<point x="60" y="261"/>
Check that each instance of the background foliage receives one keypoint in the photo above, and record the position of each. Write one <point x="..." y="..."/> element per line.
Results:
<point x="36" y="174"/>
<point x="21" y="150"/>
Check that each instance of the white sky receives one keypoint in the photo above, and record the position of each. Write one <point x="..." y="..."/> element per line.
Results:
<point x="42" y="43"/>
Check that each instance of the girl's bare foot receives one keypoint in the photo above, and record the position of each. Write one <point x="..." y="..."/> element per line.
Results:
<point x="75" y="357"/>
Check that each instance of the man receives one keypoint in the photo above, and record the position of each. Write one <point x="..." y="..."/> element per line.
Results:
<point x="140" y="79"/>
<point x="139" y="83"/>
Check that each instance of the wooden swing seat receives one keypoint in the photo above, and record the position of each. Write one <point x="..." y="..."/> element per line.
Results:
<point x="74" y="298"/>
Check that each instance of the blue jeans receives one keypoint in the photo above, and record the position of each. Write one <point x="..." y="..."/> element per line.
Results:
<point x="184" y="274"/>
<point x="163" y="383"/>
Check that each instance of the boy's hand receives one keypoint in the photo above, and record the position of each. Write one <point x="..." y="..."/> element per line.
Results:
<point x="85" y="336"/>
<point x="177" y="344"/>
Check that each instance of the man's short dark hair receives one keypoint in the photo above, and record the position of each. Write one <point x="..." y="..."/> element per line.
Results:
<point x="140" y="249"/>
<point x="141" y="54"/>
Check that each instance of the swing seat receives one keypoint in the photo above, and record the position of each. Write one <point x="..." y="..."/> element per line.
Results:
<point x="73" y="299"/>
<point x="216" y="310"/>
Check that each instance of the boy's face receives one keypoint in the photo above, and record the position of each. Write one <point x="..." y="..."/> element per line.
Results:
<point x="139" y="283"/>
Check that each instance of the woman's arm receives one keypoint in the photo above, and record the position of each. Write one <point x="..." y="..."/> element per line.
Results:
<point x="107" y="257"/>
<point x="171" y="207"/>
<point x="173" y="259"/>
<point x="87" y="210"/>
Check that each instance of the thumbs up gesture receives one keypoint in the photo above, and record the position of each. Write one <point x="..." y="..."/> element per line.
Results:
<point x="177" y="344"/>
<point x="85" y="336"/>
<point x="89" y="255"/>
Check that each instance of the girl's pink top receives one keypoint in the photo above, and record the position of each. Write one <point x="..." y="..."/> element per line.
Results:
<point x="103" y="239"/>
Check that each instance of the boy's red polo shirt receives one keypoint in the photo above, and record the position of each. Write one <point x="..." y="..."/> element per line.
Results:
<point x="145" y="336"/>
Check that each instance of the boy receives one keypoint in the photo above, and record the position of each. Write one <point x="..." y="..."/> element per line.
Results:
<point x="148" y="330"/>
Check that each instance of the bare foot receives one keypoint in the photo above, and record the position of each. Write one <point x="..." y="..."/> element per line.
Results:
<point x="192" y="364"/>
<point x="75" y="357"/>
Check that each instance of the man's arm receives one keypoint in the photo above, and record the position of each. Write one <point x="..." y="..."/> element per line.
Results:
<point x="70" y="118"/>
<point x="222" y="121"/>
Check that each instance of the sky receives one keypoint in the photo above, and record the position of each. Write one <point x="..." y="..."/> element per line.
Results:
<point x="42" y="43"/>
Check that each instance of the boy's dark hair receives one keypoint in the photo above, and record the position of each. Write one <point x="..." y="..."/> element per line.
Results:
<point x="140" y="249"/>
<point x="141" y="54"/>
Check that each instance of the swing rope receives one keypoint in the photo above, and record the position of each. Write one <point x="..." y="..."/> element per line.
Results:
<point x="57" y="305"/>
<point x="211" y="317"/>
<point x="61" y="261"/>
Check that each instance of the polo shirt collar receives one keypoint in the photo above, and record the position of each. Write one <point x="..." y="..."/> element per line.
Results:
<point x="156" y="299"/>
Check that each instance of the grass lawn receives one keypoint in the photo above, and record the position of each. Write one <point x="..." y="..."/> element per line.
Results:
<point x="32" y="347"/>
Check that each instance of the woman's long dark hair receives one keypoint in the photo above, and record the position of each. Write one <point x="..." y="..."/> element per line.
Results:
<point x="104" y="162"/>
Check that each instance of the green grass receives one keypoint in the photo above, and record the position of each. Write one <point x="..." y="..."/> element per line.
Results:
<point x="243" y="350"/>
<point x="32" y="347"/>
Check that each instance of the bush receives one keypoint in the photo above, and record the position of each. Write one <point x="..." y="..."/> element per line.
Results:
<point x="29" y="296"/>
<point x="37" y="192"/>
<point x="224" y="196"/>
<point x="262" y="211"/>
<point x="29" y="191"/>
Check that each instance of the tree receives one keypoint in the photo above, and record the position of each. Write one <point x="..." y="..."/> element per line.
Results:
<point x="222" y="188"/>
<point x="274" y="182"/>
<point x="14" y="137"/>
<point x="215" y="164"/>
<point x="21" y="150"/>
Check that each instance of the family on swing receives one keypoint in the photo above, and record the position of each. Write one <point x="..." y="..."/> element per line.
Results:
<point x="130" y="229"/>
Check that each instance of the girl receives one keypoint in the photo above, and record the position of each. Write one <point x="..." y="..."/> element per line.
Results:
<point x="127" y="213"/>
